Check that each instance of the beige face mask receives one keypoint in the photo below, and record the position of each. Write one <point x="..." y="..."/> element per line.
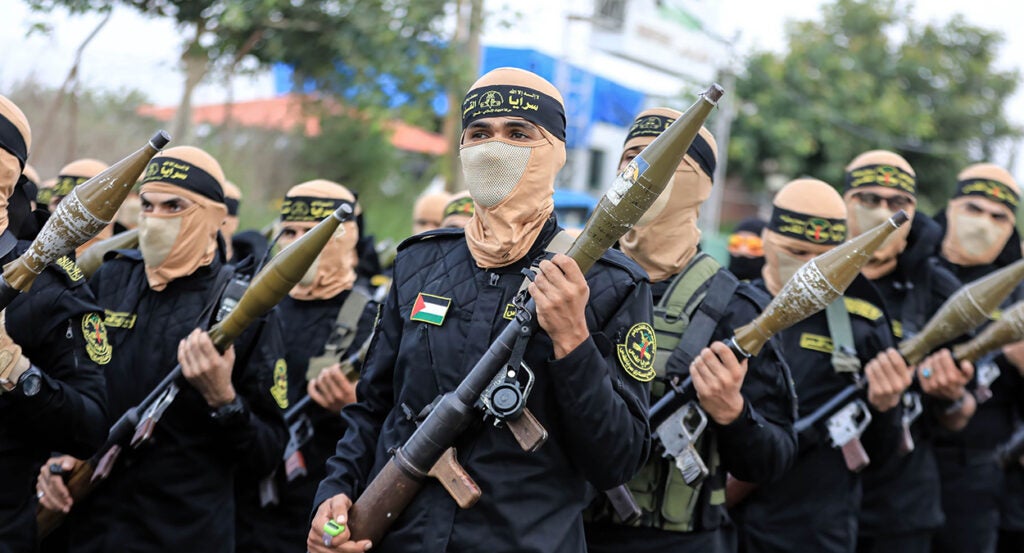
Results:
<point x="884" y="260"/>
<point x="128" y="213"/>
<point x="780" y="266"/>
<point x="977" y="240"/>
<point x="334" y="270"/>
<point x="157" y="236"/>
<point x="174" y="245"/>
<point x="512" y="185"/>
<point x="10" y="171"/>
<point x="666" y="237"/>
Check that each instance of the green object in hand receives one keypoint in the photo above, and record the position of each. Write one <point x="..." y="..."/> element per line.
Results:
<point x="332" y="530"/>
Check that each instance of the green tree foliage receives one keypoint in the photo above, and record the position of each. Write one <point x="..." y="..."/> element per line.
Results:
<point x="867" y="77"/>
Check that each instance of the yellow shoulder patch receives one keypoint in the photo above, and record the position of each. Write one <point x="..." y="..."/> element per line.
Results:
<point x="862" y="308"/>
<point x="280" y="388"/>
<point x="816" y="342"/>
<point x="96" y="343"/>
<point x="897" y="329"/>
<point x="70" y="267"/>
<point x="636" y="352"/>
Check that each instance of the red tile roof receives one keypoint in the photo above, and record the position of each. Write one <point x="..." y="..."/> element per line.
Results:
<point x="284" y="113"/>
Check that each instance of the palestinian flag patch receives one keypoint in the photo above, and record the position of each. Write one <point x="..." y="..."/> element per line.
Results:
<point x="430" y="309"/>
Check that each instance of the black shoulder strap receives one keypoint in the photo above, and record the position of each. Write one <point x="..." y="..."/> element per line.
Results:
<point x="703" y="322"/>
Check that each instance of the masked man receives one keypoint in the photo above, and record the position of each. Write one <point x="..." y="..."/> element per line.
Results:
<point x="901" y="507"/>
<point x="980" y="238"/>
<point x="451" y="295"/>
<point x="175" y="492"/>
<point x="458" y="212"/>
<point x="52" y="343"/>
<point x="746" y="251"/>
<point x="428" y="211"/>
<point x="749" y="406"/>
<point x="72" y="175"/>
<point x="814" y="505"/>
<point x="326" y="317"/>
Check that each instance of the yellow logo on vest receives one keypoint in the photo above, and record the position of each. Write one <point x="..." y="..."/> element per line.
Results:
<point x="119" y="319"/>
<point x="510" y="312"/>
<point x="280" y="388"/>
<point x="816" y="342"/>
<point x="96" y="343"/>
<point x="70" y="267"/>
<point x="862" y="308"/>
<point x="636" y="352"/>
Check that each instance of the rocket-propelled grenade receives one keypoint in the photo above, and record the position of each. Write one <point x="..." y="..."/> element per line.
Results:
<point x="639" y="184"/>
<point x="91" y="259"/>
<point x="964" y="311"/>
<point x="1007" y="330"/>
<point x="815" y="285"/>
<point x="273" y="283"/>
<point x="79" y="217"/>
<point x="631" y="194"/>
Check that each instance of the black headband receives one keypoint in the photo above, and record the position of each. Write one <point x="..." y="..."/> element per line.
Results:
<point x="232" y="204"/>
<point x="989" y="189"/>
<point x="653" y="125"/>
<point x="12" y="141"/>
<point x="65" y="184"/>
<point x="308" y="209"/>
<point x="817" y="230"/>
<point x="888" y="176"/>
<point x="177" y="172"/>
<point x="461" y="206"/>
<point x="516" y="101"/>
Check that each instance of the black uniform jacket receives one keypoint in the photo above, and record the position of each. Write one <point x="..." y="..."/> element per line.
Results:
<point x="283" y="527"/>
<point x="69" y="412"/>
<point x="175" y="493"/>
<point x="965" y="457"/>
<point x="902" y="493"/>
<point x="759" y="446"/>
<point x="814" y="506"/>
<point x="595" y="413"/>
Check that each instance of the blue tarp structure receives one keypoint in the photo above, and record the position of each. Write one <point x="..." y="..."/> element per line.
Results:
<point x="589" y="98"/>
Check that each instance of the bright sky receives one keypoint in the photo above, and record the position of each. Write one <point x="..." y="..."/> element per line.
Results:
<point x="136" y="52"/>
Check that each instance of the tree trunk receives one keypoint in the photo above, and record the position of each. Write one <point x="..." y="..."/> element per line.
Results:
<point x="196" y="65"/>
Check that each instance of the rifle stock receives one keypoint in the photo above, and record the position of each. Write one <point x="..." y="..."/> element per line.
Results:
<point x="79" y="484"/>
<point x="631" y="194"/>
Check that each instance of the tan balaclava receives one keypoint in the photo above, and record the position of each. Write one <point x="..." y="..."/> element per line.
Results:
<point x="334" y="270"/>
<point x="809" y="216"/>
<point x="458" y="212"/>
<point x="976" y="238"/>
<point x="72" y="175"/>
<point x="128" y="214"/>
<point x="882" y="173"/>
<point x="511" y="182"/>
<point x="174" y="245"/>
<point x="666" y="238"/>
<point x="232" y="199"/>
<point x="428" y="211"/>
<point x="15" y="141"/>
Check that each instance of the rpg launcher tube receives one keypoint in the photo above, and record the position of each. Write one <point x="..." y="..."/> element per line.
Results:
<point x="631" y="194"/>
<point x="91" y="259"/>
<point x="273" y="283"/>
<point x="79" y="217"/>
<point x="815" y="285"/>
<point x="819" y="282"/>
<point x="1007" y="330"/>
<point x="964" y="311"/>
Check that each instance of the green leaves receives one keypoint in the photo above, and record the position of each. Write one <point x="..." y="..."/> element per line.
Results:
<point x="865" y="77"/>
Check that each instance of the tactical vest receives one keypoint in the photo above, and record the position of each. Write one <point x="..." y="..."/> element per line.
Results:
<point x="684" y="320"/>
